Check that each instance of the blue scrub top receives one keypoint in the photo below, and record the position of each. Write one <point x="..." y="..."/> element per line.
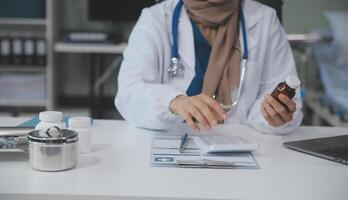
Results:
<point x="202" y="54"/>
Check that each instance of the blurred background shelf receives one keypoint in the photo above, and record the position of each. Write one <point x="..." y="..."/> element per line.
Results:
<point x="23" y="103"/>
<point x="64" y="47"/>
<point x="27" y="86"/>
<point x="23" y="68"/>
<point x="81" y="76"/>
<point x="23" y="21"/>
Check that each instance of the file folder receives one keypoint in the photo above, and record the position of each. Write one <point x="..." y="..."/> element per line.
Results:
<point x="29" y="51"/>
<point x="17" y="51"/>
<point x="5" y="50"/>
<point x="41" y="51"/>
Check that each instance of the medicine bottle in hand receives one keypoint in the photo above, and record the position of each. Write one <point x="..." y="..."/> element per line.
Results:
<point x="288" y="88"/>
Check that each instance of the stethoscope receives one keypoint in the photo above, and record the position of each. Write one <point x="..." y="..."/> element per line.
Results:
<point x="176" y="68"/>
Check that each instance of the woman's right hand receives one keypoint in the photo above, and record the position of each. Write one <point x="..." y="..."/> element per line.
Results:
<point x="202" y="108"/>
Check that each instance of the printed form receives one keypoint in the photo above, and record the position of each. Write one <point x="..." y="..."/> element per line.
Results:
<point x="165" y="153"/>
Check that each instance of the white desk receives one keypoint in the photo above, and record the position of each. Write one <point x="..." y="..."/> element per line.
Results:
<point x="119" y="168"/>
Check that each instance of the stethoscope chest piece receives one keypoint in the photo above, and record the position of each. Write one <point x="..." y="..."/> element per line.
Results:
<point x="176" y="68"/>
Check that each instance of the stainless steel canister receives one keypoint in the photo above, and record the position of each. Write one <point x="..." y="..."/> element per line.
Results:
<point x="53" y="150"/>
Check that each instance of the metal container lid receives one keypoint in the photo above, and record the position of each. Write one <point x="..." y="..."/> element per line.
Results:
<point x="53" y="135"/>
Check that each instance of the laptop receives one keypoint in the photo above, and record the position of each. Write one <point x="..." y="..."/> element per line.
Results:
<point x="331" y="148"/>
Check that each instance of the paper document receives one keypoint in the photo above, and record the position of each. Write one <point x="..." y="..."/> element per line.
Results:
<point x="165" y="152"/>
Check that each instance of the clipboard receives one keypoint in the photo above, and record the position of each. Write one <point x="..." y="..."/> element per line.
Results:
<point x="165" y="153"/>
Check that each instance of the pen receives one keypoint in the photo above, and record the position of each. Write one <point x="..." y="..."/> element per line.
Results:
<point x="184" y="139"/>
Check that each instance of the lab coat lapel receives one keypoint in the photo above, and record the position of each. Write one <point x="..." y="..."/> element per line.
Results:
<point x="252" y="16"/>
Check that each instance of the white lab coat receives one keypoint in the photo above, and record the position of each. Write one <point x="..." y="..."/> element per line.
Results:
<point x="145" y="91"/>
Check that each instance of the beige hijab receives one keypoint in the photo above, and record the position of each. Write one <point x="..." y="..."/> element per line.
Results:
<point x="219" y="25"/>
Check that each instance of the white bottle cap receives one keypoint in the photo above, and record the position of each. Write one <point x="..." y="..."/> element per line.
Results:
<point x="79" y="122"/>
<point x="51" y="116"/>
<point x="293" y="82"/>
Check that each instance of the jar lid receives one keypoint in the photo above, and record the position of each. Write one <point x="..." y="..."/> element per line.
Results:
<point x="53" y="135"/>
<point x="80" y="122"/>
<point x="293" y="82"/>
<point x="51" y="116"/>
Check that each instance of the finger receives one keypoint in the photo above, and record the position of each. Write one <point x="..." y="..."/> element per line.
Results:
<point x="189" y="120"/>
<point x="220" y="120"/>
<point x="279" y="108"/>
<point x="196" y="113"/>
<point x="274" y="115"/>
<point x="288" y="102"/>
<point x="265" y="115"/>
<point x="215" y="106"/>
<point x="205" y="110"/>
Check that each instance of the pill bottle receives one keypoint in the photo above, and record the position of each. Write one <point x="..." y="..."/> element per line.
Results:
<point x="82" y="125"/>
<point x="49" y="119"/>
<point x="287" y="88"/>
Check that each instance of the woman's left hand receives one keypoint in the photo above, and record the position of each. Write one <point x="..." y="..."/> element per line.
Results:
<point x="275" y="113"/>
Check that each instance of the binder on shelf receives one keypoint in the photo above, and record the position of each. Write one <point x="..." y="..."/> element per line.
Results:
<point x="5" y="50"/>
<point x="29" y="51"/>
<point x="17" y="51"/>
<point x="41" y="51"/>
<point x="20" y="51"/>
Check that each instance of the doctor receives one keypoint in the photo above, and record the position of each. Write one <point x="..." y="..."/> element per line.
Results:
<point x="207" y="61"/>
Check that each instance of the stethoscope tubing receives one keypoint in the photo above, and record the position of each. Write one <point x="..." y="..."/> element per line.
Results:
<point x="245" y="55"/>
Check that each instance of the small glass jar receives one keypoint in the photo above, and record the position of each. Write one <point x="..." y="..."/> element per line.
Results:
<point x="82" y="125"/>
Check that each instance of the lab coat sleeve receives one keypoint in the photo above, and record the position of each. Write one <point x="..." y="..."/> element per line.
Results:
<point x="278" y="65"/>
<point x="141" y="98"/>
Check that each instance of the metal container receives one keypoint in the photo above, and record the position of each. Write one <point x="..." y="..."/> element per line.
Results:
<point x="53" y="152"/>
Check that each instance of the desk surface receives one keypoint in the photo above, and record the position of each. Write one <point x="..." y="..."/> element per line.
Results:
<point x="119" y="168"/>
